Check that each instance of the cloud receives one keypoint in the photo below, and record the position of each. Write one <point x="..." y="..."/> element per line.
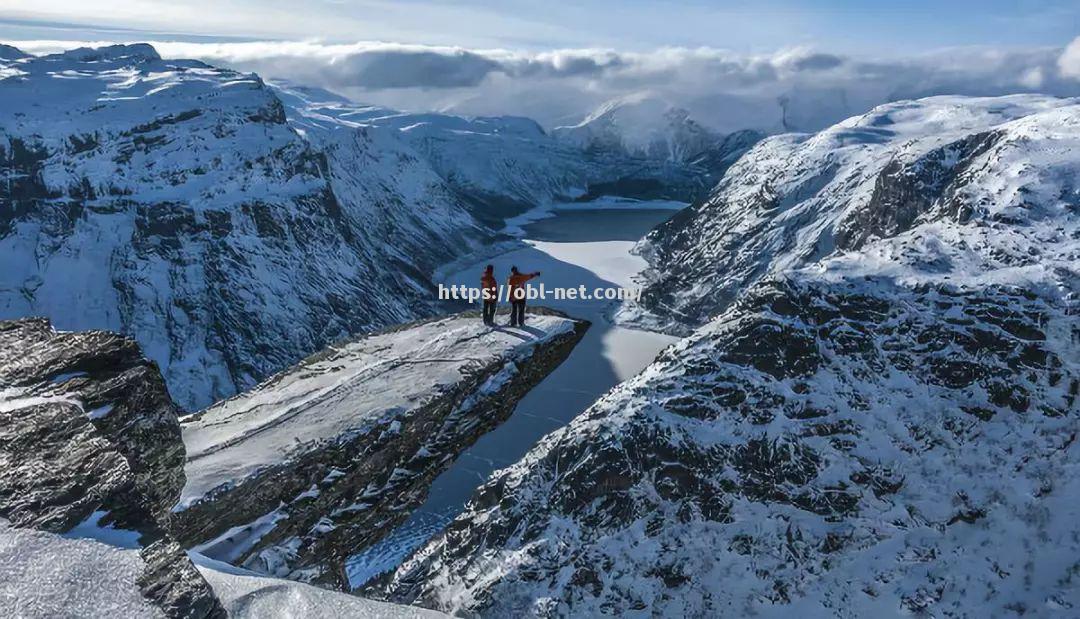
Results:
<point x="1069" y="62"/>
<point x="794" y="88"/>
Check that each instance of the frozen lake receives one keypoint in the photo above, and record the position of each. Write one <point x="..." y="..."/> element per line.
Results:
<point x="572" y="248"/>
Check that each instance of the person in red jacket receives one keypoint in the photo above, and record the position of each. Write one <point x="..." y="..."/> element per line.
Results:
<point x="489" y="289"/>
<point x="516" y="286"/>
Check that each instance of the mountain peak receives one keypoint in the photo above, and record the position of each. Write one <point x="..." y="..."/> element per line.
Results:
<point x="9" y="52"/>
<point x="139" y="52"/>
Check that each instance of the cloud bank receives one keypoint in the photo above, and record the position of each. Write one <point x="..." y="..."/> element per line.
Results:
<point x="791" y="89"/>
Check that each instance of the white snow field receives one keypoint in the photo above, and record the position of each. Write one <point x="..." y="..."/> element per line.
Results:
<point x="45" y="576"/>
<point x="246" y="595"/>
<point x="371" y="379"/>
<point x="606" y="356"/>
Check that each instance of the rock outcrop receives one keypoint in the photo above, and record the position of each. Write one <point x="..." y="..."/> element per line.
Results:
<point x="90" y="446"/>
<point x="324" y="459"/>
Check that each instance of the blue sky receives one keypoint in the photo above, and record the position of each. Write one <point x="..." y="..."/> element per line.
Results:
<point x="749" y="26"/>
<point x="729" y="63"/>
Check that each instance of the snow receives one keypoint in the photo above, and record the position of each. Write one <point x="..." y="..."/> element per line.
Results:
<point x="788" y="202"/>
<point x="246" y="595"/>
<point x="44" y="576"/>
<point x="342" y="390"/>
<point x="640" y="124"/>
<point x="171" y="201"/>
<point x="651" y="503"/>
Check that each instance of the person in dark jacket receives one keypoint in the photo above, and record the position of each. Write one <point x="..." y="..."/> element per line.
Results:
<point x="489" y="289"/>
<point x="516" y="288"/>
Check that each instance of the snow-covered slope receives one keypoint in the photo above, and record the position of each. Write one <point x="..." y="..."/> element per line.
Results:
<point x="883" y="422"/>
<point x="996" y="168"/>
<point x="318" y="462"/>
<point x="641" y="125"/>
<point x="172" y="201"/>
<point x="247" y="595"/>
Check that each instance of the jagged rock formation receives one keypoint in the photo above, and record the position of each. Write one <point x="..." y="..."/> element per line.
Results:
<point x="89" y="439"/>
<point x="324" y="459"/>
<point x="884" y="420"/>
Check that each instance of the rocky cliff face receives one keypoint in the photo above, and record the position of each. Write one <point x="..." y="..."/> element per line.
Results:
<point x="319" y="462"/>
<point x="90" y="446"/>
<point x="883" y="420"/>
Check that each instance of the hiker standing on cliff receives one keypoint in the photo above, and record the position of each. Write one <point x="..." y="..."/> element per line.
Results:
<point x="516" y="285"/>
<point x="489" y="289"/>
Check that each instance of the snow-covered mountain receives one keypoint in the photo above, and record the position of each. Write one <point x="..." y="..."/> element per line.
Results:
<point x="172" y="201"/>
<point x="504" y="165"/>
<point x="642" y="125"/>
<point x="991" y="172"/>
<point x="233" y="228"/>
<point x="91" y="463"/>
<point x="881" y="419"/>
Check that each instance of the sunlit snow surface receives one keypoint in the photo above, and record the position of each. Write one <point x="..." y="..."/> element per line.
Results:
<point x="44" y="576"/>
<point x="246" y="595"/>
<point x="48" y="576"/>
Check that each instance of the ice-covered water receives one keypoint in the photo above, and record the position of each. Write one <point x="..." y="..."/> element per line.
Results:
<point x="571" y="248"/>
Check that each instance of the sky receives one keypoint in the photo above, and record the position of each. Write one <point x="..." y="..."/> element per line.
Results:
<point x="772" y="64"/>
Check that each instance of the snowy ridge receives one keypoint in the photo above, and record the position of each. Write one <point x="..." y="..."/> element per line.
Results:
<point x="882" y="420"/>
<point x="1002" y="165"/>
<point x="641" y="125"/>
<point x="341" y="390"/>
<point x="504" y="165"/>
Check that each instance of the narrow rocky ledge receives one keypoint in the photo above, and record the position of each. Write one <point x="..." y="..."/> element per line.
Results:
<point x="319" y="462"/>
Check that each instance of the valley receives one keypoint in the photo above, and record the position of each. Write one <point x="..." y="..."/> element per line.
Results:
<point x="571" y="246"/>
